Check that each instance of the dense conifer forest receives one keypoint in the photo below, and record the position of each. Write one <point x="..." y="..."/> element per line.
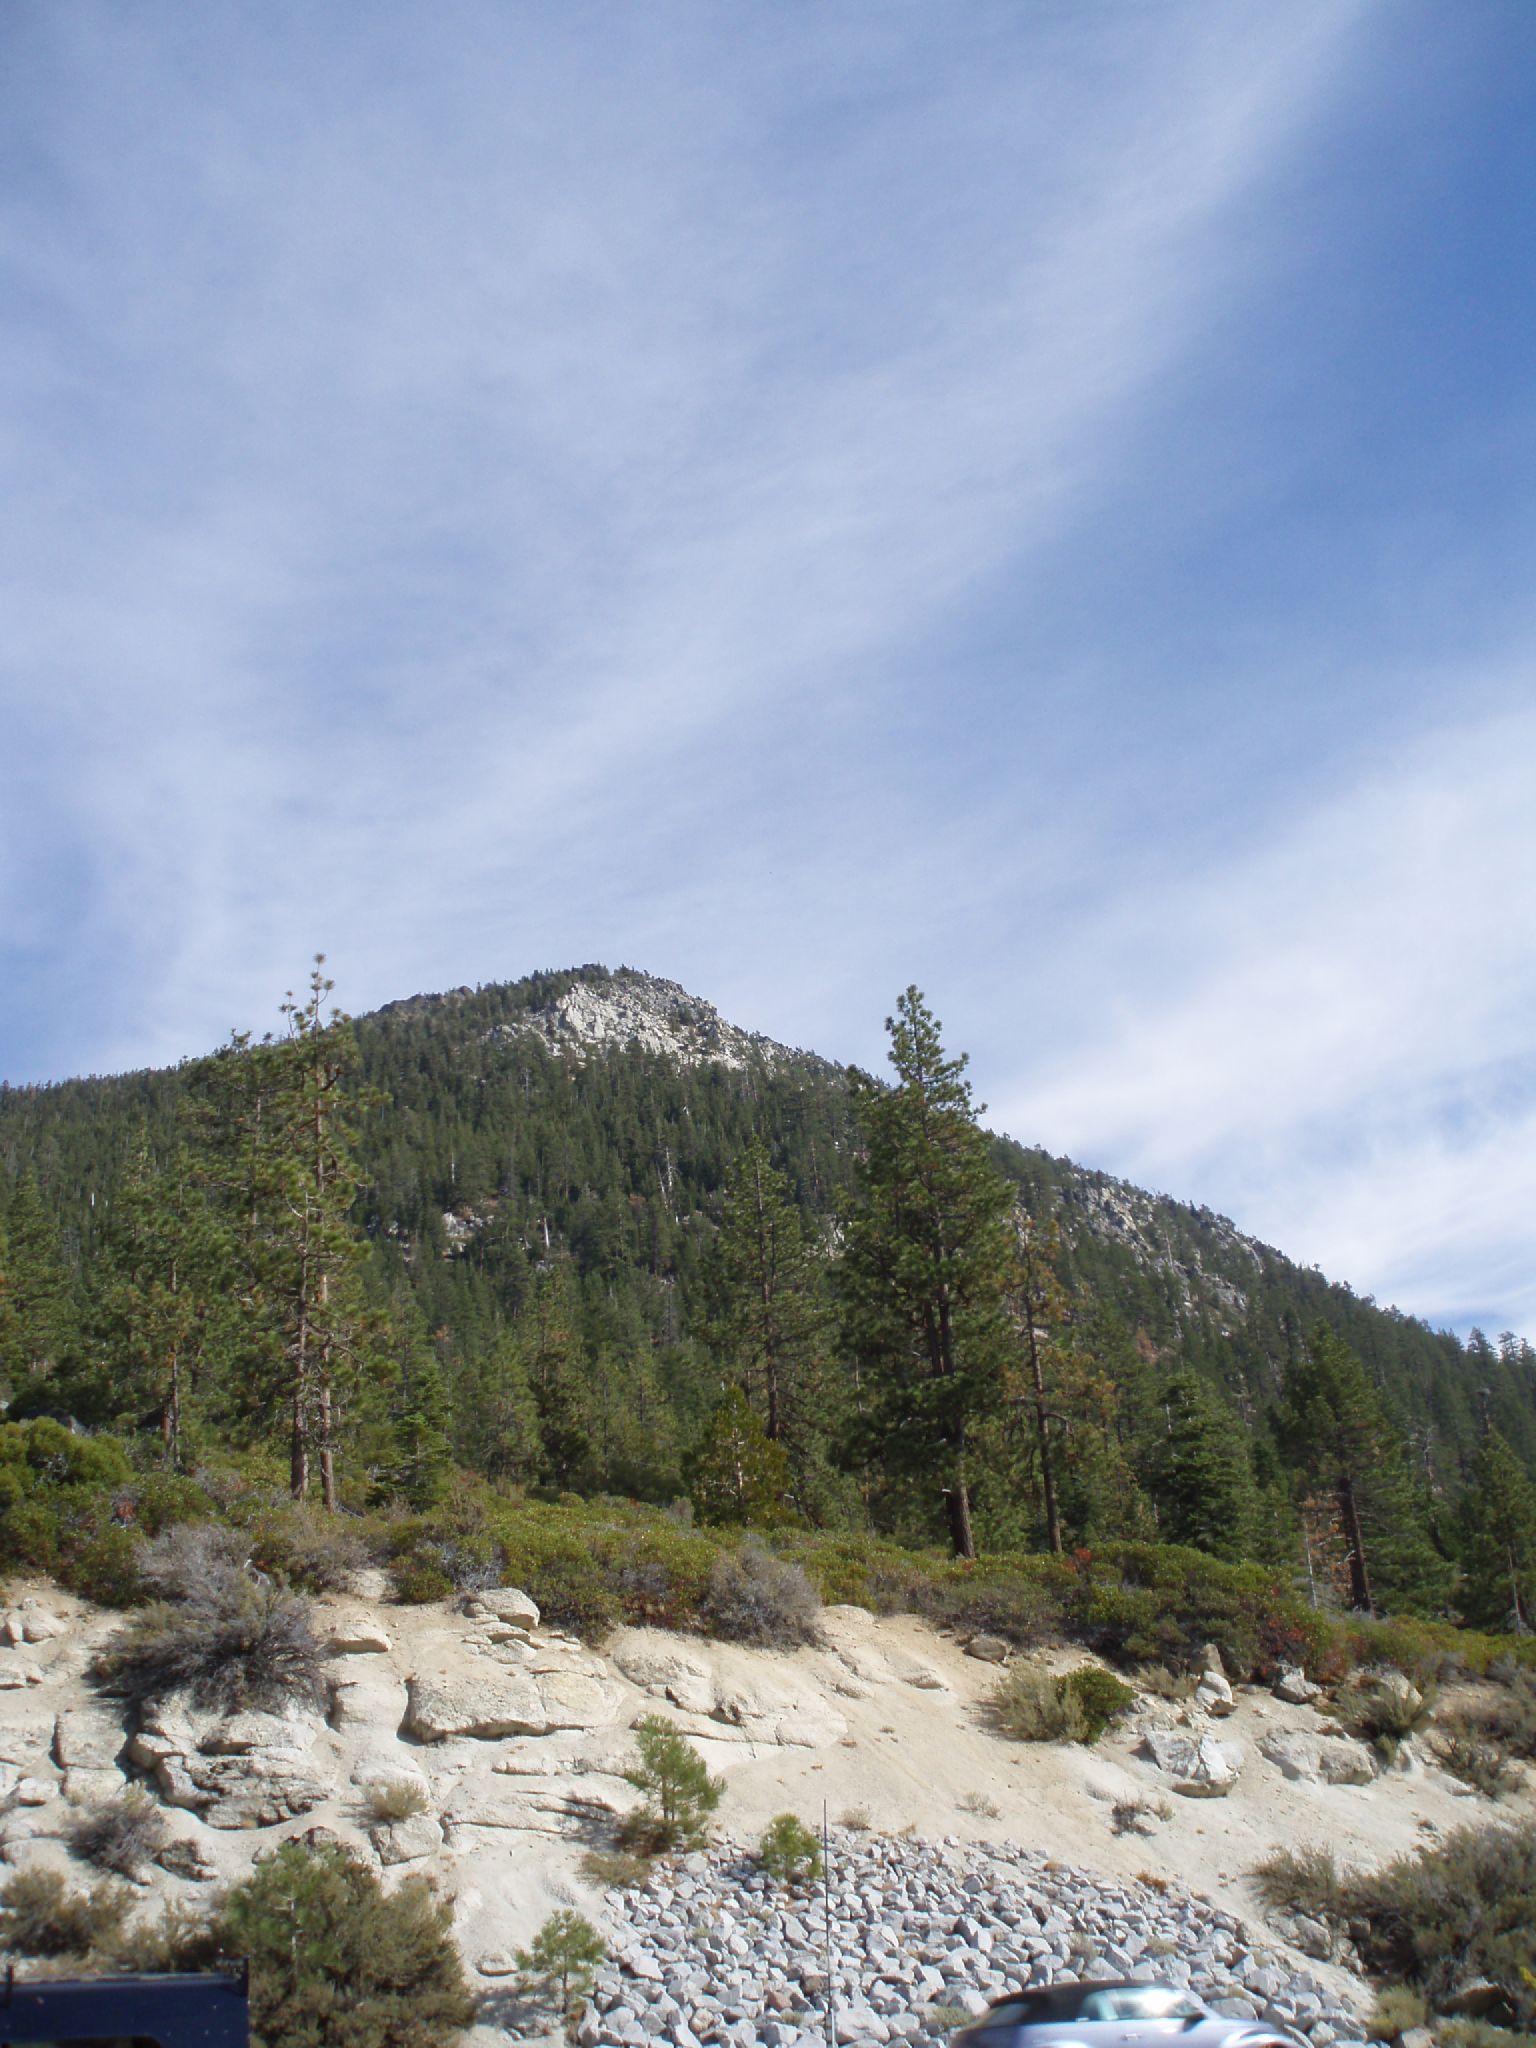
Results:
<point x="362" y="1258"/>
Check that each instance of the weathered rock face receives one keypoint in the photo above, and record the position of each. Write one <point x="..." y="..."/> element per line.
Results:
<point x="1320" y="1759"/>
<point x="232" y="1770"/>
<point x="499" y="1704"/>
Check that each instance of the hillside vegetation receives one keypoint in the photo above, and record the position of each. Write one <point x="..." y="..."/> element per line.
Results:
<point x="486" y="1234"/>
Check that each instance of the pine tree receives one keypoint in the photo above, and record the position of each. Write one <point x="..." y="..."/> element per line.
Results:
<point x="738" y="1474"/>
<point x="161" y="1316"/>
<point x="292" y="1173"/>
<point x="767" y="1319"/>
<point x="926" y="1267"/>
<point x="1340" y="1441"/>
<point x="39" y="1330"/>
<point x="1038" y="1303"/>
<point x="1500" y="1556"/>
<point x="1202" y="1476"/>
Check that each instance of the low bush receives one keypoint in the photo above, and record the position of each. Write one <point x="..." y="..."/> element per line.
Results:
<point x="788" y="1851"/>
<point x="238" y="1644"/>
<point x="1463" y="1745"/>
<point x="1398" y="2007"/>
<point x="310" y="1549"/>
<point x="1102" y="1697"/>
<point x="755" y="1597"/>
<point x="120" y="1836"/>
<point x="1461" y="1908"/>
<point x="1304" y="1880"/>
<point x="1135" y="1816"/>
<point x="41" y="1914"/>
<point x="615" y="1869"/>
<point x="392" y="1799"/>
<point x="1384" y="1709"/>
<point x="1032" y="1706"/>
<point x="1077" y="1706"/>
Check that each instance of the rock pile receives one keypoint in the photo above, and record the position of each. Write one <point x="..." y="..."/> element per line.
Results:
<point x="710" y="1950"/>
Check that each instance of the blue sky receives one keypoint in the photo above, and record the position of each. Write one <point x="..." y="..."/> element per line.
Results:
<point x="1031" y="499"/>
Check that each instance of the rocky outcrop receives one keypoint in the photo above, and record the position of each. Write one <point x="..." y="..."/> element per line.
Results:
<point x="233" y="1770"/>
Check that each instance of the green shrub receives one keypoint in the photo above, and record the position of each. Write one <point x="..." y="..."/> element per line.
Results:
<point x="42" y="1915"/>
<point x="755" y="1597"/>
<point x="1032" y="1706"/>
<point x="121" y="1835"/>
<point x="789" y="1851"/>
<point x="564" y="1953"/>
<point x="1101" y="1695"/>
<point x="1078" y="1706"/>
<point x="1460" y="1908"/>
<point x="418" y="1581"/>
<point x="679" y="1792"/>
<point x="312" y="1550"/>
<point x="339" y="1962"/>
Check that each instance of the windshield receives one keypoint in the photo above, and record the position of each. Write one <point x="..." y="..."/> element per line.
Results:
<point x="1139" y="2002"/>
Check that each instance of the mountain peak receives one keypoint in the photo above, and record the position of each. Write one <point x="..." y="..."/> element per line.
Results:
<point x="597" y="1011"/>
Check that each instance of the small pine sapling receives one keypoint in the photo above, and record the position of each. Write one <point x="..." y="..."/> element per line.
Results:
<point x="680" y="1793"/>
<point x="789" y="1851"/>
<point x="565" y="1952"/>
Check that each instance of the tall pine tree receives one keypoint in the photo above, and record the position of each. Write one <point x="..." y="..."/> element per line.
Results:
<point x="926" y="1267"/>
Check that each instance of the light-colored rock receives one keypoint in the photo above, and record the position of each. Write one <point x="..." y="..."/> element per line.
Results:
<point x="1214" y="1694"/>
<point x="88" y="1737"/>
<point x="990" y="1649"/>
<point x="1294" y="1753"/>
<point x="573" y="1699"/>
<point x="1199" y="1765"/>
<point x="488" y="1708"/>
<point x="509" y="1605"/>
<point x="357" y="1635"/>
<point x="1293" y="1686"/>
<point x="406" y="1841"/>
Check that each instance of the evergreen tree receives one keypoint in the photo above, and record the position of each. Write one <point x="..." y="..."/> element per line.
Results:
<point x="1039" y="1305"/>
<point x="555" y="1364"/>
<point x="1345" y="1450"/>
<point x="1202" y="1476"/>
<point x="926" y="1267"/>
<point x="738" y="1474"/>
<point x="496" y="1416"/>
<point x="38" y="1331"/>
<point x="162" y="1317"/>
<point x="1499" y="1561"/>
<point x="767" y="1318"/>
<point x="338" y="1962"/>
<point x="295" y="1179"/>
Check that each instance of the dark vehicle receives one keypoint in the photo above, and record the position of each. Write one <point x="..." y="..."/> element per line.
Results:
<point x="1113" y="2016"/>
<point x="111" y="2012"/>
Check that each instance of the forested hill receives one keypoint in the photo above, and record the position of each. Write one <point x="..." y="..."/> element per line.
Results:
<point x="543" y="1166"/>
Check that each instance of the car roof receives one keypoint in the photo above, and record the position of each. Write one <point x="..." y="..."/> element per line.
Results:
<point x="1060" y="2001"/>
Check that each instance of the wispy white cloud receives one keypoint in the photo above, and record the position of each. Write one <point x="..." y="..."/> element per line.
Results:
<point x="1329" y="1033"/>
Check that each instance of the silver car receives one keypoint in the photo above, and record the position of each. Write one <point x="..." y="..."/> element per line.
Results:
<point x="1112" y="2016"/>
